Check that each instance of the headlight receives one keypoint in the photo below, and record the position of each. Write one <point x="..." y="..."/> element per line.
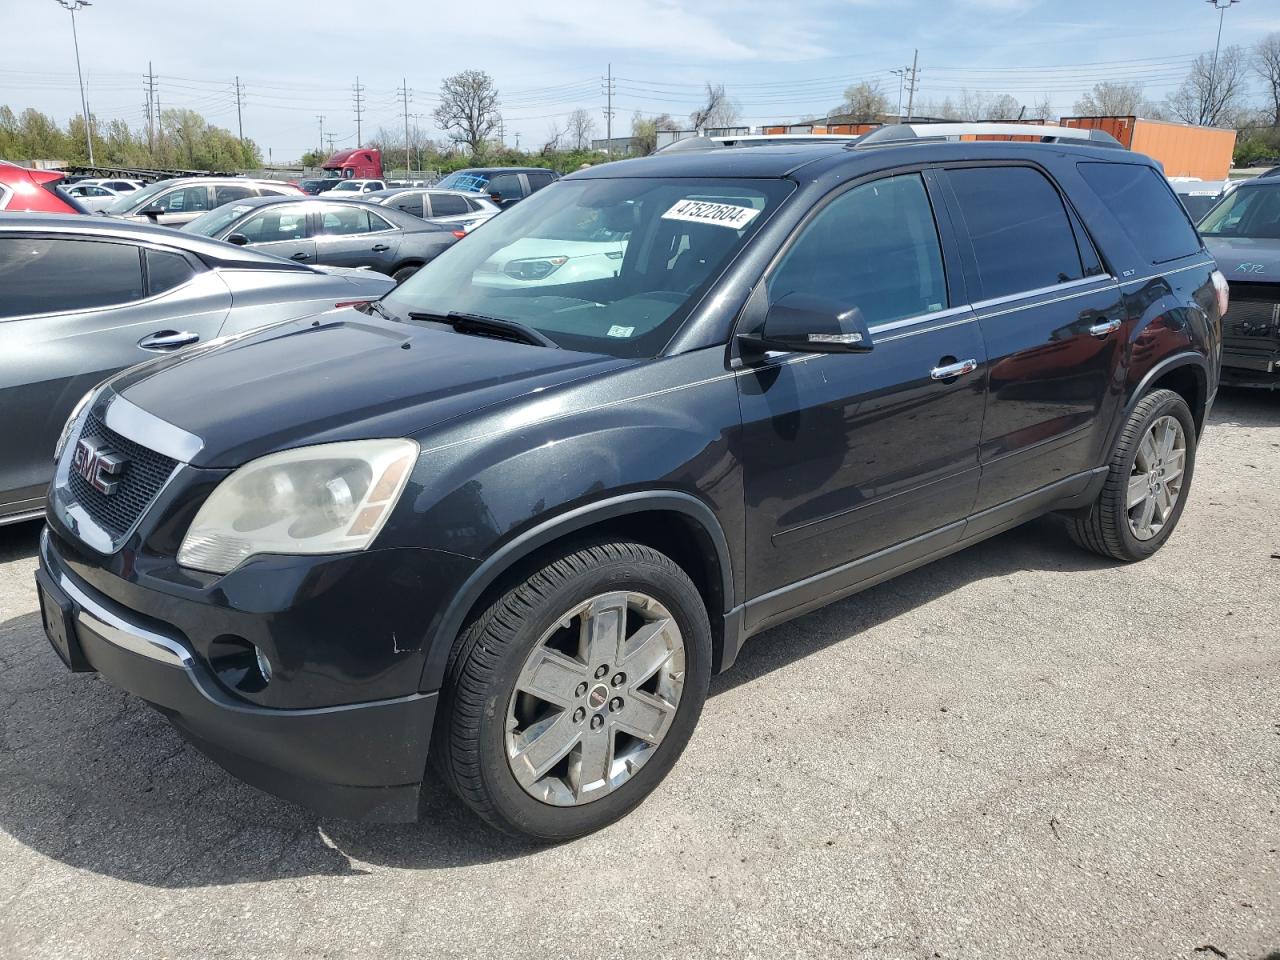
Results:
<point x="323" y="499"/>
<point x="534" y="268"/>
<point x="69" y="427"/>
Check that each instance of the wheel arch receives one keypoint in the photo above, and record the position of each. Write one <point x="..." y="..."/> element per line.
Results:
<point x="675" y="523"/>
<point x="1183" y="373"/>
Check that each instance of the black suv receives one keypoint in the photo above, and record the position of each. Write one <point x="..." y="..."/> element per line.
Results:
<point x="507" y="523"/>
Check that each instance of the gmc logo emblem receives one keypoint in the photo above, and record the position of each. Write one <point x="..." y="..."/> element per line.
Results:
<point x="98" y="465"/>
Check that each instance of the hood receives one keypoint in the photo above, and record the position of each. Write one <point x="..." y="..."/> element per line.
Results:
<point x="1246" y="259"/>
<point x="341" y="376"/>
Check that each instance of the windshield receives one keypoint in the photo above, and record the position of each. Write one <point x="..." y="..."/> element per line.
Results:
<point x="213" y="222"/>
<point x="348" y="186"/>
<point x="605" y="266"/>
<point x="469" y="181"/>
<point x="137" y="199"/>
<point x="1249" y="211"/>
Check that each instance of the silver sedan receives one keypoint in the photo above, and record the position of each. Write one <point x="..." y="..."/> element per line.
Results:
<point x="82" y="297"/>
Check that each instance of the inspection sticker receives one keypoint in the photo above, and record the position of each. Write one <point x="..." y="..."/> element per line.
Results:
<point x="704" y="211"/>
<point x="617" y="331"/>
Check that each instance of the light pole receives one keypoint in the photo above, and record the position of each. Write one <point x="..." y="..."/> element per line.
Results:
<point x="901" y="75"/>
<point x="73" y="6"/>
<point x="1222" y="6"/>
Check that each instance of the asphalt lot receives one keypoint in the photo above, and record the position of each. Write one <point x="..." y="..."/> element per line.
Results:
<point x="1020" y="751"/>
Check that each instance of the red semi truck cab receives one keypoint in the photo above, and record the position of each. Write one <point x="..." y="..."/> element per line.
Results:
<point x="360" y="164"/>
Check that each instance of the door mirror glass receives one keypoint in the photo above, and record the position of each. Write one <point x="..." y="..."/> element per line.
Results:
<point x="239" y="239"/>
<point x="806" y="324"/>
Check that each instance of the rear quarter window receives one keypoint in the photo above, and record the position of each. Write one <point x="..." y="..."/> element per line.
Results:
<point x="1146" y="208"/>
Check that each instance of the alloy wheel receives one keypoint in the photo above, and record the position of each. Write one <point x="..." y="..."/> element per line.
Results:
<point x="1155" y="482"/>
<point x="595" y="698"/>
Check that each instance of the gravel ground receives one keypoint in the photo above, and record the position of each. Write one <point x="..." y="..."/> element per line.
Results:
<point x="1020" y="751"/>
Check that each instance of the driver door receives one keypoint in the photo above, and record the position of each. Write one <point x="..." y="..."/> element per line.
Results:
<point x="856" y="463"/>
<point x="284" y="231"/>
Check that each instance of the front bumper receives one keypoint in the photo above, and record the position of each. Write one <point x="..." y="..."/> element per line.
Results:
<point x="362" y="760"/>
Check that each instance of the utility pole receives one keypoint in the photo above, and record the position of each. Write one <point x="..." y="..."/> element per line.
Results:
<point x="901" y="75"/>
<point x="320" y="117"/>
<point x="73" y="6"/>
<point x="517" y="141"/>
<point x="151" y="107"/>
<point x="357" y="99"/>
<point x="1209" y="111"/>
<point x="331" y="139"/>
<point x="608" y="112"/>
<point x="502" y="132"/>
<point x="239" y="121"/>
<point x="404" y="99"/>
<point x="914" y="82"/>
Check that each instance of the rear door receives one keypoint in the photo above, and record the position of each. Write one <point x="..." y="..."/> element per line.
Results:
<point x="351" y="236"/>
<point x="74" y="311"/>
<point x="846" y="457"/>
<point x="1052" y="320"/>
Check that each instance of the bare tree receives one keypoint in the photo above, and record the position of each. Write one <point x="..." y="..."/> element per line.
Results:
<point x="718" y="111"/>
<point x="1209" y="97"/>
<point x="863" y="103"/>
<point x="1043" y="109"/>
<point x="554" y="136"/>
<point x="1004" y="107"/>
<point x="1113" y="99"/>
<point x="468" y="110"/>
<point x="1266" y="63"/>
<point x="580" y="129"/>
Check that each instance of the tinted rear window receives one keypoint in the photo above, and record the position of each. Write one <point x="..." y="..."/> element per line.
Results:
<point x="1147" y="209"/>
<point x="1021" y="235"/>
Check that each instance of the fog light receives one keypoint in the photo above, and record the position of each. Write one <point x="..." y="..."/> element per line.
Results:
<point x="264" y="665"/>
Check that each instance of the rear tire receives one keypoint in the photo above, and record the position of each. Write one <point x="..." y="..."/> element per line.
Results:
<point x="569" y="697"/>
<point x="1147" y="484"/>
<point x="404" y="273"/>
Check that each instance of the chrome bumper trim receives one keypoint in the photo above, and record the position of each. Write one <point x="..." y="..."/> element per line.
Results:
<point x="113" y="629"/>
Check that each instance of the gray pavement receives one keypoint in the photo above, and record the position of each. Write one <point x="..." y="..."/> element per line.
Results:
<point x="1020" y="751"/>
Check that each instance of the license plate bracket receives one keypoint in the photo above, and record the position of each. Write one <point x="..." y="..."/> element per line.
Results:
<point x="57" y="611"/>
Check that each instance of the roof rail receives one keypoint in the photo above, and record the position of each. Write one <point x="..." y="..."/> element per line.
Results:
<point x="1047" y="133"/>
<point x="754" y="140"/>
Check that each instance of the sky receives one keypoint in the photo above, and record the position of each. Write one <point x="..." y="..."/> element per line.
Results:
<point x="778" y="61"/>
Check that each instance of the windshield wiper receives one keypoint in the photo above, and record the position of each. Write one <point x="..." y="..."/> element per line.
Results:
<point x="475" y="323"/>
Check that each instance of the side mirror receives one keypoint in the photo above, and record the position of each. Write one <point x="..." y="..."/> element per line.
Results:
<point x="239" y="239"/>
<point x="805" y="324"/>
<point x="153" y="212"/>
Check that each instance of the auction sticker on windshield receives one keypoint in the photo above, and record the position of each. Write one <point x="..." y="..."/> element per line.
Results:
<point x="704" y="211"/>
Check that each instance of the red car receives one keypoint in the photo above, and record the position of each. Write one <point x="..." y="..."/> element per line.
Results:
<point x="34" y="190"/>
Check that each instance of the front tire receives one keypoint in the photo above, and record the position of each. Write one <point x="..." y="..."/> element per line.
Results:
<point x="1147" y="483"/>
<point x="570" y="696"/>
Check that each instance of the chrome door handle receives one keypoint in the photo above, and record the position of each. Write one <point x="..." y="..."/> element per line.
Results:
<point x="379" y="248"/>
<point x="1105" y="329"/>
<point x="958" y="369"/>
<point x="168" y="340"/>
<point x="301" y="256"/>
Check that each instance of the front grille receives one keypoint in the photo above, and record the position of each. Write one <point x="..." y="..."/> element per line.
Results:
<point x="144" y="473"/>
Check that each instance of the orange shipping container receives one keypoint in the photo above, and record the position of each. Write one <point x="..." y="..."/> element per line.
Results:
<point x="1182" y="149"/>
